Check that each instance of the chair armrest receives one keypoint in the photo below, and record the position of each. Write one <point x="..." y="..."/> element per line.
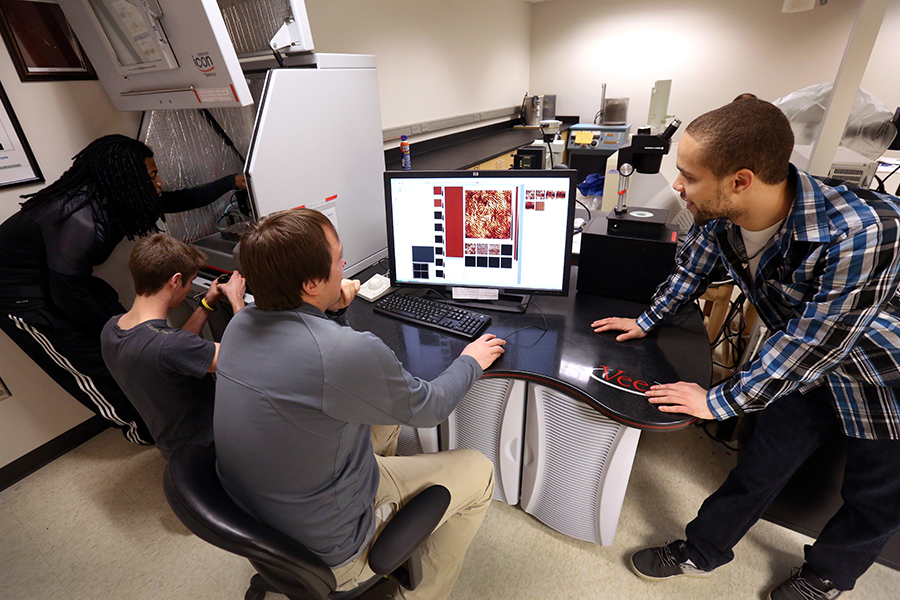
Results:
<point x="408" y="529"/>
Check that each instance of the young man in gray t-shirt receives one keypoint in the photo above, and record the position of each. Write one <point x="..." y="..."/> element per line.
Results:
<point x="164" y="371"/>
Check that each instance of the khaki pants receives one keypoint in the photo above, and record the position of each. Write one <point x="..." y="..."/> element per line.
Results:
<point x="469" y="477"/>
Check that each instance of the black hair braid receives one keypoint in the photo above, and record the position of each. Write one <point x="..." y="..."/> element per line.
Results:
<point x="110" y="174"/>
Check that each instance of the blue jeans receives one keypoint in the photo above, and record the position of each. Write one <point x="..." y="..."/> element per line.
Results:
<point x="788" y="431"/>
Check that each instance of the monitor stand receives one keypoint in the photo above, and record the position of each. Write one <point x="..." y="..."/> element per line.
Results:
<point x="515" y="303"/>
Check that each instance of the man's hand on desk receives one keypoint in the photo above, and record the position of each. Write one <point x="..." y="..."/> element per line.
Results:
<point x="629" y="326"/>
<point x="681" y="397"/>
<point x="485" y="350"/>
<point x="349" y="289"/>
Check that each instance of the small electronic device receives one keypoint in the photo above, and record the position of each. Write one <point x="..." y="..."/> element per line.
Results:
<point x="377" y="286"/>
<point x="589" y="146"/>
<point x="848" y="166"/>
<point x="437" y="315"/>
<point x="505" y="230"/>
<point x="529" y="157"/>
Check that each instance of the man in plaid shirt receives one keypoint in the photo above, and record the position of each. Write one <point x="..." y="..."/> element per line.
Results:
<point x="822" y="267"/>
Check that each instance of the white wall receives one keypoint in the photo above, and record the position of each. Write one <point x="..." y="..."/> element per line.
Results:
<point x="712" y="50"/>
<point x="435" y="58"/>
<point x="58" y="119"/>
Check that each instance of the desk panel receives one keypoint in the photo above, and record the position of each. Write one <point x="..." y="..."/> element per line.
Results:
<point x="568" y="356"/>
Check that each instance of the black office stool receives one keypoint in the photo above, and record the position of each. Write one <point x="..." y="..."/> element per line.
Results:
<point x="283" y="564"/>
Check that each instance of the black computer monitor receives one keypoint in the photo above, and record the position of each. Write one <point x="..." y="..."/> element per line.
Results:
<point x="504" y="230"/>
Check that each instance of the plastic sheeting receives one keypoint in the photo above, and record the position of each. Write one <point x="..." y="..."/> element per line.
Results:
<point x="252" y="23"/>
<point x="869" y="129"/>
<point x="189" y="152"/>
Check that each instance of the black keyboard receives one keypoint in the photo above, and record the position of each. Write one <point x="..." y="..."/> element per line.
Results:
<point x="437" y="315"/>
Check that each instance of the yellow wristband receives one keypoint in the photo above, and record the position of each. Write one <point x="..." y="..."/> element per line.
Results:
<point x="206" y="305"/>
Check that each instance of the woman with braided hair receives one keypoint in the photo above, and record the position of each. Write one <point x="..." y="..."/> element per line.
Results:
<point x="51" y="305"/>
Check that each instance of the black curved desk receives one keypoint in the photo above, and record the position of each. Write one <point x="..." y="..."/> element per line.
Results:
<point x="568" y="356"/>
<point x="562" y="445"/>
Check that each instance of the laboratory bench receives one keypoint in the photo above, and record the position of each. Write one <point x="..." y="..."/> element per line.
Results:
<point x="469" y="148"/>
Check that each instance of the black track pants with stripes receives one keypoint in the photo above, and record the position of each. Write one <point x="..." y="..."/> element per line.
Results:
<point x="72" y="358"/>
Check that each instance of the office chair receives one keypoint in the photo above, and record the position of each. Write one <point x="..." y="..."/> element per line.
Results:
<point x="283" y="564"/>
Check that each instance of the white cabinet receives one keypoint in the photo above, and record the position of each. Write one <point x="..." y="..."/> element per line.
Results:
<point x="576" y="465"/>
<point x="567" y="464"/>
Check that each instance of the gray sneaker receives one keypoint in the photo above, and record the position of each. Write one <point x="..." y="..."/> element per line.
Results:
<point x="664" y="562"/>
<point x="805" y="585"/>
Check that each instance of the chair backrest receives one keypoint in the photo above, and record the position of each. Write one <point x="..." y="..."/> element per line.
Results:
<point x="198" y="499"/>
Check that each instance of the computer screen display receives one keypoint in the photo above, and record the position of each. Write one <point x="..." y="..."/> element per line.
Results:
<point x="509" y="230"/>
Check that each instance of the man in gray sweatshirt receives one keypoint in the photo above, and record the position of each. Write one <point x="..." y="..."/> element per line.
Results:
<point x="298" y="392"/>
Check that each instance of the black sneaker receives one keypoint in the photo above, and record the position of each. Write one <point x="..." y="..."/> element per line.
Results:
<point x="805" y="585"/>
<point x="664" y="562"/>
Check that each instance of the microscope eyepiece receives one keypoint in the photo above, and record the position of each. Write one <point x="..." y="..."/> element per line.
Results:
<point x="670" y="130"/>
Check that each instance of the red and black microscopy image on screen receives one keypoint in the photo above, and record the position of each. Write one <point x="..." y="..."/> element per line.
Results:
<point x="470" y="248"/>
<point x="529" y="195"/>
<point x="481" y="248"/>
<point x="539" y="205"/>
<point x="561" y="195"/>
<point x="539" y="194"/>
<point x="494" y="249"/>
<point x="489" y="214"/>
<point x="529" y="206"/>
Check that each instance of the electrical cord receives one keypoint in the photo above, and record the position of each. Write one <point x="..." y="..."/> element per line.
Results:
<point x="234" y="216"/>
<point x="733" y="340"/>
<point x="278" y="57"/>
<point x="387" y="269"/>
<point x="586" y="209"/>
<point x="704" y="425"/>
<point x="881" y="181"/>
<point x="549" y="145"/>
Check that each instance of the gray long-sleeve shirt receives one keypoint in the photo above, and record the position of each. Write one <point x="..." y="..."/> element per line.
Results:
<point x="295" y="397"/>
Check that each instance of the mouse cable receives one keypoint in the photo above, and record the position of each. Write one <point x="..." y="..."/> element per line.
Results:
<point x="543" y="329"/>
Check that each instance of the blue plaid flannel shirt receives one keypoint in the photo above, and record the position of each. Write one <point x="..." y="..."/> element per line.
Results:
<point x="827" y="289"/>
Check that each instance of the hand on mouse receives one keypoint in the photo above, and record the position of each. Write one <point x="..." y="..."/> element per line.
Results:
<point x="485" y="350"/>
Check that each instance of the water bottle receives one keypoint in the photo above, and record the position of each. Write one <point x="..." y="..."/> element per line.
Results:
<point x="404" y="152"/>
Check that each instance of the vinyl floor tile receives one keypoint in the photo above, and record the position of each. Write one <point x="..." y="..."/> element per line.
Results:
<point x="94" y="525"/>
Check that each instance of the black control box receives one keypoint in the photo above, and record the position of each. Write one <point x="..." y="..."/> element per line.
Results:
<point x="623" y="267"/>
<point x="637" y="221"/>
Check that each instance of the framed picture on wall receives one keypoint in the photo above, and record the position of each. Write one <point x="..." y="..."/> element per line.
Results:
<point x="17" y="163"/>
<point x="41" y="42"/>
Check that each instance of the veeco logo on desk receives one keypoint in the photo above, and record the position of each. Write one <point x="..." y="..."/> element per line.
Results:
<point x="616" y="378"/>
